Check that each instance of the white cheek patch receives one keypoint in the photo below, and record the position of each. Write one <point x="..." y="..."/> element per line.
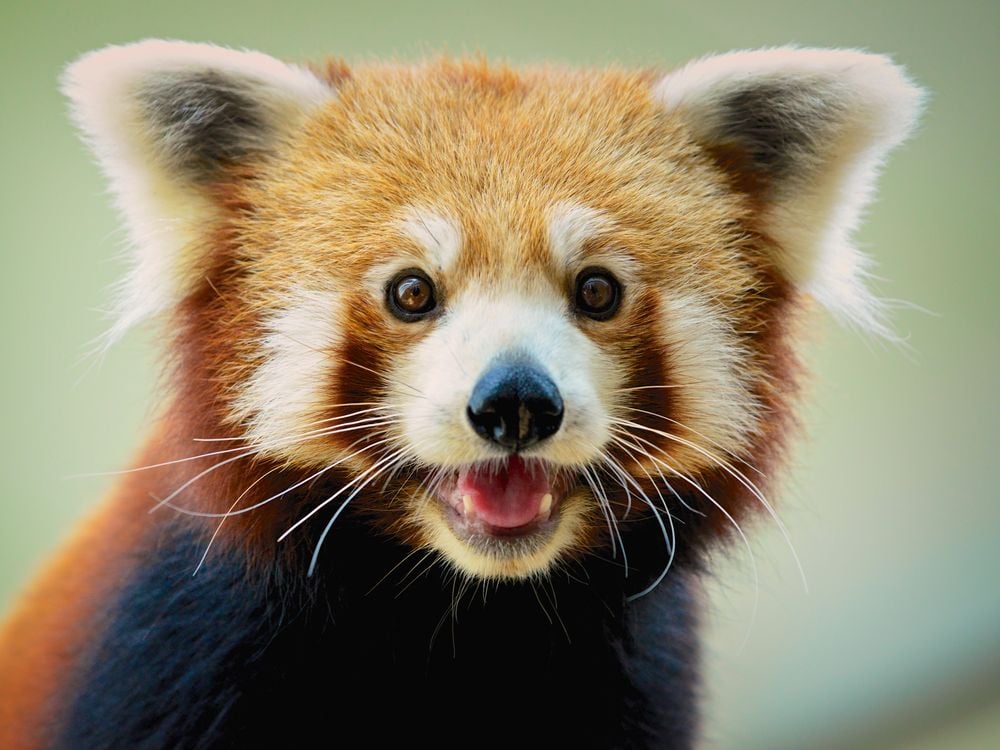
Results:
<point x="285" y="395"/>
<point x="445" y="367"/>
<point x="714" y="406"/>
<point x="437" y="234"/>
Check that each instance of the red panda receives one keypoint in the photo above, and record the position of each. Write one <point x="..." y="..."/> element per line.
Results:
<point x="469" y="366"/>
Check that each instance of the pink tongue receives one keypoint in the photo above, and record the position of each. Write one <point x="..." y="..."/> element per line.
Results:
<point x="510" y="498"/>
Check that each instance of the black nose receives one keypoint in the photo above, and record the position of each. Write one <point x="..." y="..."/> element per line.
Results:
<point x="515" y="405"/>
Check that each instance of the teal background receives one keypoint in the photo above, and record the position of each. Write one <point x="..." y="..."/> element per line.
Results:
<point x="892" y="501"/>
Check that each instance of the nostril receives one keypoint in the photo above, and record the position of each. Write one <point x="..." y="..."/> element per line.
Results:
<point x="547" y="418"/>
<point x="515" y="405"/>
<point x="485" y="421"/>
<point x="549" y="407"/>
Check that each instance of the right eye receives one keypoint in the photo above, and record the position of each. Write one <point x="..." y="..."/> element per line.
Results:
<point x="598" y="294"/>
<point x="411" y="296"/>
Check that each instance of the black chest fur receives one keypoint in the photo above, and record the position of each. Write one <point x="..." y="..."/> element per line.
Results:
<point x="353" y="656"/>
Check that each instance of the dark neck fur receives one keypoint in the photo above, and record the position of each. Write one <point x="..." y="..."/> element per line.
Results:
<point x="249" y="655"/>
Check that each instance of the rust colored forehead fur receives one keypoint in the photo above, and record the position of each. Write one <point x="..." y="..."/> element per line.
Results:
<point x="494" y="149"/>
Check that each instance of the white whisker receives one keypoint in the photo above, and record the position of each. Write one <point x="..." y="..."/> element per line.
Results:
<point x="605" y="505"/>
<point x="167" y="500"/>
<point x="651" y="387"/>
<point x="619" y="431"/>
<point x="711" y="442"/>
<point x="277" y="443"/>
<point x="413" y="571"/>
<point x="729" y="517"/>
<point x="669" y="539"/>
<point x="218" y="528"/>
<point x="311" y="477"/>
<point x="380" y="462"/>
<point x="741" y="478"/>
<point x="306" y="424"/>
<point x="382" y="375"/>
<point x="343" y="505"/>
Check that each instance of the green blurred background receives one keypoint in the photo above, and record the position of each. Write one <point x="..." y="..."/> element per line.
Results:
<point x="891" y="504"/>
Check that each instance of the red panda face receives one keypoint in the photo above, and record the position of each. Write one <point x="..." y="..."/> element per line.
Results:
<point x="560" y="295"/>
<point x="516" y="307"/>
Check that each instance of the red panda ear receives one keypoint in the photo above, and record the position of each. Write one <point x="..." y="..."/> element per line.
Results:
<point x="164" y="120"/>
<point x="805" y="131"/>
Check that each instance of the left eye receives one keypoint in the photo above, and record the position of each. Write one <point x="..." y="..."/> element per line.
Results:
<point x="411" y="296"/>
<point x="598" y="293"/>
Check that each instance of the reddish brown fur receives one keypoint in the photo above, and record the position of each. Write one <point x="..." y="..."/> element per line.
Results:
<point x="53" y="626"/>
<point x="496" y="149"/>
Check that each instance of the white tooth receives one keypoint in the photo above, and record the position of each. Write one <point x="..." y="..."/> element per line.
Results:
<point x="546" y="505"/>
<point x="467" y="504"/>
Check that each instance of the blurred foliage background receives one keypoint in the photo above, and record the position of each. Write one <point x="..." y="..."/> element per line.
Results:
<point x="892" y="503"/>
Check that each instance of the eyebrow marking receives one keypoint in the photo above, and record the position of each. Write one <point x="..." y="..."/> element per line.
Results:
<point x="439" y="235"/>
<point x="571" y="225"/>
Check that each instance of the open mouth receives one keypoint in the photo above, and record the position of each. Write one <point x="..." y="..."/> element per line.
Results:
<point x="513" y="500"/>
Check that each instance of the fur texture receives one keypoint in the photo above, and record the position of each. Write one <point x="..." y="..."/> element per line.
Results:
<point x="328" y="516"/>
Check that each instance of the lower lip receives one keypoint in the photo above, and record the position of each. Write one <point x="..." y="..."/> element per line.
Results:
<point x="475" y="527"/>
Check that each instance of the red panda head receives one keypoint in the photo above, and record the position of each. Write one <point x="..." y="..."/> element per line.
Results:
<point x="506" y="308"/>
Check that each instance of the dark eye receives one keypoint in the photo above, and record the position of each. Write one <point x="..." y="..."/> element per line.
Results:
<point x="411" y="296"/>
<point x="598" y="293"/>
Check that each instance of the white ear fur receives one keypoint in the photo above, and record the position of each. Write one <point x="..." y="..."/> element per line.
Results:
<point x="815" y="125"/>
<point x="157" y="116"/>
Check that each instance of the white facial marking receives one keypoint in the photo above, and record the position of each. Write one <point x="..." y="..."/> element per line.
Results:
<point x="285" y="394"/>
<point x="570" y="226"/>
<point x="708" y="367"/>
<point x="437" y="234"/>
<point x="479" y="327"/>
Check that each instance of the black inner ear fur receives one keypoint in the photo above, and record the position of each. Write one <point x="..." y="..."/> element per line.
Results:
<point x="202" y="121"/>
<point x="779" y="128"/>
